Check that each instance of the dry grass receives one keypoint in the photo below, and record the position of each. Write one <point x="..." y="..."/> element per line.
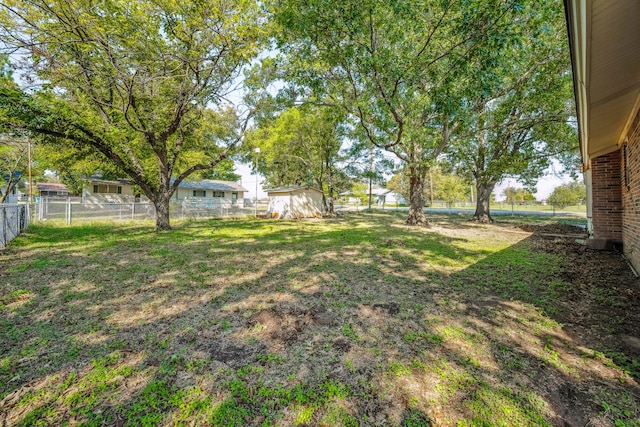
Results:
<point x="354" y="321"/>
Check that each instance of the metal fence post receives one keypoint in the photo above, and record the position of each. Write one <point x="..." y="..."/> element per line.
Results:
<point x="4" y="227"/>
<point x="68" y="211"/>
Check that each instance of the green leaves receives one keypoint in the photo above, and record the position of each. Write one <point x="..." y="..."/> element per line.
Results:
<point x="568" y="194"/>
<point x="301" y="146"/>
<point x="520" y="116"/>
<point x="403" y="71"/>
<point x="143" y="84"/>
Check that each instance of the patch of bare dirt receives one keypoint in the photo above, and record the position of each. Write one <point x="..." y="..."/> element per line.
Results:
<point x="602" y="302"/>
<point x="555" y="228"/>
<point x="598" y="308"/>
<point x="233" y="354"/>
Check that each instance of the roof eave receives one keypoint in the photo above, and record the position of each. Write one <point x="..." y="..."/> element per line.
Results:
<point x="576" y="16"/>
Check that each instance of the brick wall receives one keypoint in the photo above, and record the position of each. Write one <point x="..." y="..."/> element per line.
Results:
<point x="630" y="180"/>
<point x="606" y="196"/>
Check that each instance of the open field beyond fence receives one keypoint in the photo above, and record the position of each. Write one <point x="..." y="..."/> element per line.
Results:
<point x="354" y="321"/>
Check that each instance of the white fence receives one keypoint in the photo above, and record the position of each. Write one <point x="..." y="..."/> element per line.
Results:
<point x="13" y="220"/>
<point x="75" y="211"/>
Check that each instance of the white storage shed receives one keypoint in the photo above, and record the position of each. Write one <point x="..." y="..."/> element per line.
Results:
<point x="294" y="202"/>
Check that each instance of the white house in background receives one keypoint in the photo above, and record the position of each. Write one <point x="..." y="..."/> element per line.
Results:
<point x="294" y="202"/>
<point x="217" y="192"/>
<point x="204" y="192"/>
<point x="384" y="196"/>
<point x="98" y="190"/>
<point x="379" y="196"/>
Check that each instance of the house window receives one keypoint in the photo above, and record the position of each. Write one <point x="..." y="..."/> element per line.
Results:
<point x="112" y="189"/>
<point x="218" y="194"/>
<point x="199" y="193"/>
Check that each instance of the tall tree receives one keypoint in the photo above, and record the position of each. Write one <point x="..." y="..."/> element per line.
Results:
<point x="142" y="83"/>
<point x="302" y="146"/>
<point x="13" y="163"/>
<point x="517" y="195"/>
<point x="13" y="149"/>
<point x="571" y="193"/>
<point x="398" y="68"/>
<point x="439" y="185"/>
<point x="448" y="187"/>
<point x="523" y="117"/>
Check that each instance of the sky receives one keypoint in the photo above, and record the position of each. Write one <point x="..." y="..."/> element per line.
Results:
<point x="545" y="185"/>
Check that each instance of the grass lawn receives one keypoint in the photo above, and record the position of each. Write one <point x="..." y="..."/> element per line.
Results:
<point x="355" y="321"/>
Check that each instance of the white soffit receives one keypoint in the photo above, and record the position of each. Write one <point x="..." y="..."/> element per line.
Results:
<point x="612" y="71"/>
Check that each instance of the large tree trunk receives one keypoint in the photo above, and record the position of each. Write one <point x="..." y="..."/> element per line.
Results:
<point x="483" y="213"/>
<point x="416" y="197"/>
<point x="161" y="203"/>
<point x="330" y="201"/>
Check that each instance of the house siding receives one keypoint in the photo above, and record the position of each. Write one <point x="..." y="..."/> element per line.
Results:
<point x="630" y="185"/>
<point x="607" y="197"/>
<point x="187" y="193"/>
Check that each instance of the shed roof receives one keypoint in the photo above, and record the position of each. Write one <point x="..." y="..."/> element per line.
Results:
<point x="293" y="188"/>
<point x="51" y="186"/>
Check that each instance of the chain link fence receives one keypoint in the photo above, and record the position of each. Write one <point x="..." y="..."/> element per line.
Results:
<point x="13" y="220"/>
<point x="74" y="211"/>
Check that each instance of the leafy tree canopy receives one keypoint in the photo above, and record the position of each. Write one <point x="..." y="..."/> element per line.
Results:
<point x="302" y="146"/>
<point x="399" y="69"/>
<point x="523" y="117"/>
<point x="517" y="195"/>
<point x="141" y="86"/>
<point x="569" y="194"/>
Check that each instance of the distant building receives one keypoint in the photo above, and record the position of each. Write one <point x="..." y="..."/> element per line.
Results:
<point x="52" y="190"/>
<point x="98" y="190"/>
<point x="384" y="196"/>
<point x="221" y="191"/>
<point x="379" y="196"/>
<point x="14" y="196"/>
<point x="295" y="202"/>
<point x="206" y="191"/>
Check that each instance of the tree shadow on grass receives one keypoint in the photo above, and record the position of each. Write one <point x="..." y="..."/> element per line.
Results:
<point x="130" y="325"/>
<point x="356" y="322"/>
<point x="541" y="336"/>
